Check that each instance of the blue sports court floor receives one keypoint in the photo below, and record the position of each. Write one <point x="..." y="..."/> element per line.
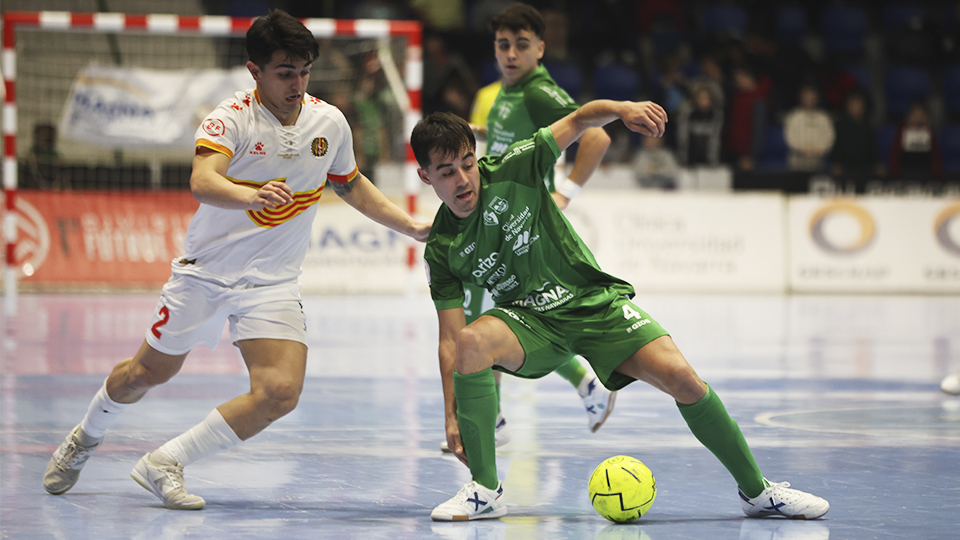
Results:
<point x="836" y="394"/>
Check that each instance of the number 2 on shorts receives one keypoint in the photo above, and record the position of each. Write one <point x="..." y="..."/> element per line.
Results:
<point x="164" y="317"/>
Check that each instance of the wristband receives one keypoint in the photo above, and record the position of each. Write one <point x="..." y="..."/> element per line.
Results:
<point x="568" y="188"/>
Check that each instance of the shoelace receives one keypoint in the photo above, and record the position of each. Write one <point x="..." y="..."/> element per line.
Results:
<point x="74" y="454"/>
<point x="174" y="474"/>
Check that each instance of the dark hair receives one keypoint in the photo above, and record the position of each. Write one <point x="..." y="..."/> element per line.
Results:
<point x="445" y="132"/>
<point x="517" y="17"/>
<point x="280" y="31"/>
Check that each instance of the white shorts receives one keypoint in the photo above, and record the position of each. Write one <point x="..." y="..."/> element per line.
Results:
<point x="192" y="311"/>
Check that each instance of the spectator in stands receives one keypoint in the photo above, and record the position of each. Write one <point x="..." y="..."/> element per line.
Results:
<point x="448" y="80"/>
<point x="915" y="153"/>
<point x="808" y="131"/>
<point x="711" y="76"/>
<point x="370" y="136"/>
<point x="855" y="152"/>
<point x="655" y="166"/>
<point x="699" y="128"/>
<point x="743" y="136"/>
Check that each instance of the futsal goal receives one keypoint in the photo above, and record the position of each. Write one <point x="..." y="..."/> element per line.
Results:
<point x="99" y="114"/>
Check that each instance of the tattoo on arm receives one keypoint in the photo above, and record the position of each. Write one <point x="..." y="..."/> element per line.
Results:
<point x="342" y="188"/>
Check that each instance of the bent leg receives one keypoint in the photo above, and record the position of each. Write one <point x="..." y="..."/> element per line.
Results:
<point x="277" y="369"/>
<point x="662" y="365"/>
<point x="127" y="384"/>
<point x="485" y="342"/>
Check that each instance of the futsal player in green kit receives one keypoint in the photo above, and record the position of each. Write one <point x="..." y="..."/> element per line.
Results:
<point x="529" y="100"/>
<point x="499" y="228"/>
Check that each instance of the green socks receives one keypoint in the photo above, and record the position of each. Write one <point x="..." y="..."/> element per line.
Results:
<point x="476" y="396"/>
<point x="572" y="371"/>
<point x="713" y="427"/>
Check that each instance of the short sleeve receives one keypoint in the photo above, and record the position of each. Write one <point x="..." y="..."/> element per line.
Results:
<point x="446" y="290"/>
<point x="220" y="131"/>
<point x="547" y="103"/>
<point x="344" y="166"/>
<point x="525" y="162"/>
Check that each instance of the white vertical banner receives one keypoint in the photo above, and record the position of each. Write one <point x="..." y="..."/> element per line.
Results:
<point x="874" y="244"/>
<point x="681" y="242"/>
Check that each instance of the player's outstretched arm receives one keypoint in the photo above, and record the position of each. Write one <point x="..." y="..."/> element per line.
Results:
<point x="645" y="117"/>
<point x="361" y="194"/>
<point x="593" y="145"/>
<point x="209" y="185"/>
<point x="451" y="322"/>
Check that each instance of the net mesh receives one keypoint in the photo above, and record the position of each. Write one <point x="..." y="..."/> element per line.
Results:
<point x="349" y="74"/>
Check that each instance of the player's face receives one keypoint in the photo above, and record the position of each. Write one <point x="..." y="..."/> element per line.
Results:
<point x="518" y="54"/>
<point x="455" y="179"/>
<point x="281" y="85"/>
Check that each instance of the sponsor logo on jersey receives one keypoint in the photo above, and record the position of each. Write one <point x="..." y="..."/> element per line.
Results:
<point x="503" y="111"/>
<point x="484" y="265"/>
<point x="637" y="325"/>
<point x="468" y="250"/>
<point x="516" y="224"/>
<point x="523" y="243"/>
<point x="499" y="273"/>
<point x="517" y="150"/>
<point x="214" y="127"/>
<point x="490" y="218"/>
<point x="499" y="205"/>
<point x="319" y="147"/>
<point x="546" y="298"/>
<point x="258" y="149"/>
<point x="505" y="285"/>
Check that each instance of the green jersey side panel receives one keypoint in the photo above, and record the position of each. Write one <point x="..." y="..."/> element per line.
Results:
<point x="517" y="244"/>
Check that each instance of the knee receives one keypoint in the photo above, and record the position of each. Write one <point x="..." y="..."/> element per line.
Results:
<point x="140" y="376"/>
<point x="685" y="386"/>
<point x="280" y="397"/>
<point x="470" y="357"/>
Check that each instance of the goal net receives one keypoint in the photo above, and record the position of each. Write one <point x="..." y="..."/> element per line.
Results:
<point x="99" y="116"/>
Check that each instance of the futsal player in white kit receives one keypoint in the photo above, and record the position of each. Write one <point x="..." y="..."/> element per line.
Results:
<point x="263" y="158"/>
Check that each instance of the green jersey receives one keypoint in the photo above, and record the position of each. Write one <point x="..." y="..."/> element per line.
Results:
<point x="516" y="244"/>
<point x="520" y="110"/>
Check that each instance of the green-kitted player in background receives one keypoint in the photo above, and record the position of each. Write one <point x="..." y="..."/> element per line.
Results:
<point x="499" y="228"/>
<point x="528" y="100"/>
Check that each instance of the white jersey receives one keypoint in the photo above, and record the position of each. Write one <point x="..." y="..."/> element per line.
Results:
<point x="268" y="246"/>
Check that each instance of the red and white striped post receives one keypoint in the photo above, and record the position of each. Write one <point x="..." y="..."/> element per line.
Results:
<point x="177" y="24"/>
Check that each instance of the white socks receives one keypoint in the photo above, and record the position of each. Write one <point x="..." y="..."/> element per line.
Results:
<point x="205" y="439"/>
<point x="101" y="414"/>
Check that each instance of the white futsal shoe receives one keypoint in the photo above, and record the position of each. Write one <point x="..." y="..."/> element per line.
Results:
<point x="951" y="384"/>
<point x="597" y="400"/>
<point x="501" y="435"/>
<point x="779" y="500"/>
<point x="473" y="501"/>
<point x="164" y="479"/>
<point x="63" y="471"/>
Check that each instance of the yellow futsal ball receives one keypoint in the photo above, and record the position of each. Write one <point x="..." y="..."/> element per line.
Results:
<point x="622" y="489"/>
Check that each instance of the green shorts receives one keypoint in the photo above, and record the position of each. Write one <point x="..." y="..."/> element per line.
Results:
<point x="605" y="331"/>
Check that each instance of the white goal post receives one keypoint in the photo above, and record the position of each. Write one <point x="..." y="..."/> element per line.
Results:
<point x="404" y="82"/>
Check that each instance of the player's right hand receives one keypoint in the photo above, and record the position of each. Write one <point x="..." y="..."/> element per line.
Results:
<point x="455" y="443"/>
<point x="646" y="118"/>
<point x="273" y="194"/>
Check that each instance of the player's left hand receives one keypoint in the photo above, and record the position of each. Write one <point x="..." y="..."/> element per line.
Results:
<point x="646" y="118"/>
<point x="561" y="200"/>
